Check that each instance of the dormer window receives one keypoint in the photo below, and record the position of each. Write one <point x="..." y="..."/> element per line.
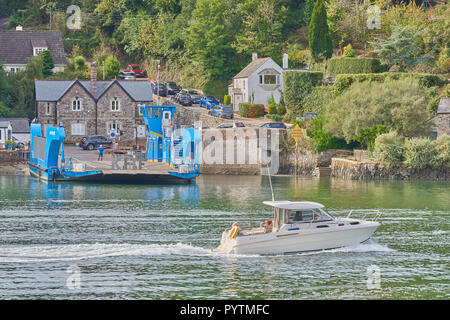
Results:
<point x="37" y="50"/>
<point x="269" y="76"/>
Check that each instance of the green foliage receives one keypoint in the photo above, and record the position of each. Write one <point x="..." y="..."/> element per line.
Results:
<point x="347" y="65"/>
<point x="368" y="135"/>
<point x="112" y="67"/>
<point x="389" y="148"/>
<point x="47" y="63"/>
<point x="297" y="85"/>
<point x="281" y="110"/>
<point x="227" y="100"/>
<point x="344" y="81"/>
<point x="349" y="52"/>
<point x="419" y="153"/>
<point x="401" y="105"/>
<point x="298" y="57"/>
<point x="243" y="109"/>
<point x="275" y="117"/>
<point x="319" y="37"/>
<point x="4" y="110"/>
<point x="442" y="147"/>
<point x="271" y="106"/>
<point x="322" y="139"/>
<point x="317" y="100"/>
<point x="308" y="11"/>
<point x="402" y="48"/>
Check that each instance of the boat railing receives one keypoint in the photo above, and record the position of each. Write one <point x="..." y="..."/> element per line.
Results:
<point x="374" y="216"/>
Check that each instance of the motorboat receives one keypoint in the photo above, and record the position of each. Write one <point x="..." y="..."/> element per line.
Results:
<point x="297" y="226"/>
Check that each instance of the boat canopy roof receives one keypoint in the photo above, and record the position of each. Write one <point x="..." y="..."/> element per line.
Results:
<point x="292" y="205"/>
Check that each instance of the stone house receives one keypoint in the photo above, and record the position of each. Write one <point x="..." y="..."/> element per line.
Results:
<point x="91" y="107"/>
<point x="442" y="118"/>
<point x="19" y="46"/>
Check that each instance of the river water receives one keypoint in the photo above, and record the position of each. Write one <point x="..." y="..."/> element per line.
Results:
<point x="81" y="241"/>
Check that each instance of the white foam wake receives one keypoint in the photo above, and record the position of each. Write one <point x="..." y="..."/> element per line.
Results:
<point x="45" y="253"/>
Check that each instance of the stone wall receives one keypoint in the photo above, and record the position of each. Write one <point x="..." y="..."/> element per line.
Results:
<point x="13" y="156"/>
<point x="355" y="170"/>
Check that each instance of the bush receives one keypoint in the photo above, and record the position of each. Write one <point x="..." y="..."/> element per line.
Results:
<point x="419" y="153"/>
<point x="348" y="51"/>
<point x="256" y="110"/>
<point x="243" y="109"/>
<point x="442" y="147"/>
<point x="275" y="117"/>
<point x="349" y="65"/>
<point x="389" y="148"/>
<point x="227" y="100"/>
<point x="344" y="81"/>
<point x="271" y="105"/>
<point x="281" y="110"/>
<point x="297" y="85"/>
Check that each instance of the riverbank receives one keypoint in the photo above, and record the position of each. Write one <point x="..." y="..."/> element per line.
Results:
<point x="369" y="170"/>
<point x="14" y="169"/>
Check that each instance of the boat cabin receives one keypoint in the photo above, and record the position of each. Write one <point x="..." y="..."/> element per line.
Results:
<point x="289" y="213"/>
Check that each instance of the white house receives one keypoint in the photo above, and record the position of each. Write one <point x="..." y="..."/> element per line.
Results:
<point x="5" y="131"/>
<point x="20" y="131"/>
<point x="257" y="82"/>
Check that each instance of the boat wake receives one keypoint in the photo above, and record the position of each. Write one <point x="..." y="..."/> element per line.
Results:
<point x="73" y="252"/>
<point x="47" y="253"/>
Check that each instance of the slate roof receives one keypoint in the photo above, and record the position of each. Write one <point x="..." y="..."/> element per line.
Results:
<point x="251" y="67"/>
<point x="19" y="125"/>
<point x="17" y="46"/>
<point x="53" y="90"/>
<point x="4" y="124"/>
<point x="444" y="106"/>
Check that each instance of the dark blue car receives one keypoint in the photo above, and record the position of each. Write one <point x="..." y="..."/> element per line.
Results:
<point x="208" y="102"/>
<point x="222" y="111"/>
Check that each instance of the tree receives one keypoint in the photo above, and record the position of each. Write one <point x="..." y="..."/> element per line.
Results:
<point x="307" y="11"/>
<point x="262" y="29"/>
<point x="400" y="105"/>
<point x="47" y="63"/>
<point x="319" y="37"/>
<point x="4" y="110"/>
<point x="112" y="66"/>
<point x="208" y="40"/>
<point x="401" y="48"/>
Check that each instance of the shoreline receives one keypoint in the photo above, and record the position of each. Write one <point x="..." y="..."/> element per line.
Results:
<point x="14" y="169"/>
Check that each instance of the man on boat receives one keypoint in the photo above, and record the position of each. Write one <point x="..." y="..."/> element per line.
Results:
<point x="100" y="153"/>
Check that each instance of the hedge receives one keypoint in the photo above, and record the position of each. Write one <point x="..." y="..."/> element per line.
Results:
<point x="350" y="65"/>
<point x="251" y="110"/>
<point x="297" y="85"/>
<point x="227" y="100"/>
<point x="344" y="81"/>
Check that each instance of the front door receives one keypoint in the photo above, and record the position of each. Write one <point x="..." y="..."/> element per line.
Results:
<point x="237" y="99"/>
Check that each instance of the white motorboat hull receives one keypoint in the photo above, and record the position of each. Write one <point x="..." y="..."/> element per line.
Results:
<point x="295" y="241"/>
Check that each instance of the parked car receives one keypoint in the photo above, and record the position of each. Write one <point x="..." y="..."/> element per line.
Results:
<point x="172" y="88"/>
<point x="183" y="99"/>
<point x="126" y="75"/>
<point x="274" y="125"/>
<point x="231" y="125"/>
<point x="195" y="96"/>
<point x="208" y="102"/>
<point x="136" y="69"/>
<point x="162" y="89"/>
<point x="93" y="142"/>
<point x="221" y="111"/>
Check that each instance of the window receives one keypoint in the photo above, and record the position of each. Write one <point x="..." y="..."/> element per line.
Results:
<point x="78" y="129"/>
<point x="261" y="79"/>
<point x="139" y="109"/>
<point x="270" y="79"/>
<point x="47" y="109"/>
<point x="38" y="50"/>
<point x="115" y="104"/>
<point x="76" y="104"/>
<point x="114" y="126"/>
<point x="14" y="69"/>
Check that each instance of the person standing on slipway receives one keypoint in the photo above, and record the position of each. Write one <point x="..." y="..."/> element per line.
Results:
<point x="100" y="153"/>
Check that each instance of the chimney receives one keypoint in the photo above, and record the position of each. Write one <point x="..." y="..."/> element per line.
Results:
<point x="19" y="28"/>
<point x="285" y="60"/>
<point x="94" y="78"/>
<point x="254" y="56"/>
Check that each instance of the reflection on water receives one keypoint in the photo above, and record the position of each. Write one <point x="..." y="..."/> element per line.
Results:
<point x="153" y="242"/>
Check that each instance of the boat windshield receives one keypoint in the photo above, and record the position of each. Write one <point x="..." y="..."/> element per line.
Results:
<point x="306" y="215"/>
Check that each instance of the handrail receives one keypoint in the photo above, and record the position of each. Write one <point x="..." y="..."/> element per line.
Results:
<point x="349" y="214"/>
